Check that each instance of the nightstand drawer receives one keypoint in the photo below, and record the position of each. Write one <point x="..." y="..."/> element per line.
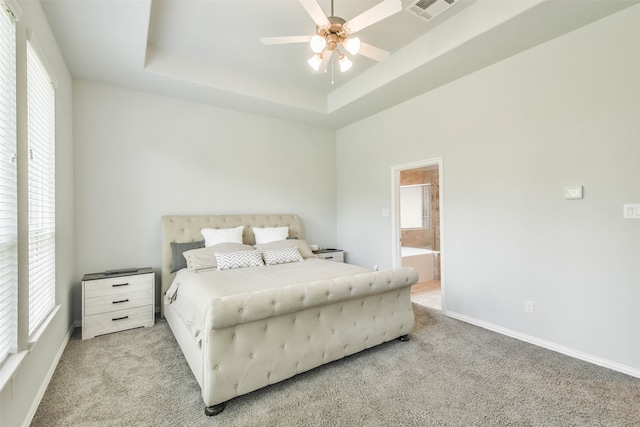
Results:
<point x="337" y="256"/>
<point x="118" y="285"/>
<point x="114" y="321"/>
<point x="108" y="303"/>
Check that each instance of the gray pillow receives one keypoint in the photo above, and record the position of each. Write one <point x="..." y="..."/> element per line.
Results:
<point x="177" y="260"/>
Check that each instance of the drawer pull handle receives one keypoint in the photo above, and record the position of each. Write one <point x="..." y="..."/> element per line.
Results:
<point x="329" y="257"/>
<point x="122" y="300"/>
<point x="120" y="284"/>
<point x="120" y="318"/>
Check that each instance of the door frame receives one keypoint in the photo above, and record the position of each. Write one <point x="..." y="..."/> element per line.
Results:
<point x="395" y="214"/>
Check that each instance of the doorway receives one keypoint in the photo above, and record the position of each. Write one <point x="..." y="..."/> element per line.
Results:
<point x="417" y="225"/>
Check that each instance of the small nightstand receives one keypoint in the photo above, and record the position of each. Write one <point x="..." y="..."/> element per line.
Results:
<point x="336" y="255"/>
<point x="115" y="301"/>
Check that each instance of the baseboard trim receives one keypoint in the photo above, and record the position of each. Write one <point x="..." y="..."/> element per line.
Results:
<point x="547" y="344"/>
<point x="45" y="383"/>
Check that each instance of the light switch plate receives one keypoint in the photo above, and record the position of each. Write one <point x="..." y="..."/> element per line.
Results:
<point x="574" y="192"/>
<point x="631" y="211"/>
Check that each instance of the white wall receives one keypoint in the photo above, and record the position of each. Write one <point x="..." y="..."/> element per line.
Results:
<point x="512" y="136"/>
<point x="140" y="156"/>
<point x="18" y="399"/>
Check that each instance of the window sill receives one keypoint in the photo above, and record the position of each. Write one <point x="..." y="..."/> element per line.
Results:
<point x="35" y="336"/>
<point x="9" y="367"/>
<point x="13" y="361"/>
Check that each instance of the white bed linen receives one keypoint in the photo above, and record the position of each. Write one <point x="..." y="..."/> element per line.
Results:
<point x="191" y="291"/>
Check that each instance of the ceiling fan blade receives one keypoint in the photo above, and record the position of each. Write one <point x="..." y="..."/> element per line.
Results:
<point x="315" y="11"/>
<point x="373" y="52"/>
<point x="284" y="40"/>
<point x="377" y="13"/>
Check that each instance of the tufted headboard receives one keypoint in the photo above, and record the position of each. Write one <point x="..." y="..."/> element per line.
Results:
<point x="186" y="228"/>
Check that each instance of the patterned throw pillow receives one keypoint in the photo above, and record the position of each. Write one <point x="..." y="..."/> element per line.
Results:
<point x="281" y="256"/>
<point x="239" y="259"/>
<point x="200" y="259"/>
<point x="302" y="246"/>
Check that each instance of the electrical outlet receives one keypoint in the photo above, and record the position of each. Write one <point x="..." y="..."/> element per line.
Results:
<point x="528" y="306"/>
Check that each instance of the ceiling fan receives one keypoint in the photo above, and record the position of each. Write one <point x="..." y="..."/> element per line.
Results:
<point x="334" y="34"/>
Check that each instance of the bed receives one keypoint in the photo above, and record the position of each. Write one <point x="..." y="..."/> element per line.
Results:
<point x="260" y="325"/>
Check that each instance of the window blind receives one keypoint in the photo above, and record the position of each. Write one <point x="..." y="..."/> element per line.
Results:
<point x="8" y="188"/>
<point x="41" y="190"/>
<point x="412" y="206"/>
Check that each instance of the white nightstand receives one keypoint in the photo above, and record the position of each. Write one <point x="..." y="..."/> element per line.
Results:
<point x="336" y="255"/>
<point x="113" y="301"/>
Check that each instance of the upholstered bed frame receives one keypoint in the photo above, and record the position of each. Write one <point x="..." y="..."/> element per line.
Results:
<point x="247" y="348"/>
<point x="186" y="228"/>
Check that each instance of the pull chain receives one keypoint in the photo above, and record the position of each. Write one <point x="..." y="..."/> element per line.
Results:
<point x="332" y="62"/>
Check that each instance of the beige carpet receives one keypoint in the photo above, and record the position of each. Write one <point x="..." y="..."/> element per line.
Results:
<point x="449" y="374"/>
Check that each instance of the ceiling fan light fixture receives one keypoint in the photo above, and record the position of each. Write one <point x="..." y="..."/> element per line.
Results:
<point x="345" y="63"/>
<point x="333" y="35"/>
<point x="315" y="61"/>
<point x="352" y="45"/>
<point x="318" y="43"/>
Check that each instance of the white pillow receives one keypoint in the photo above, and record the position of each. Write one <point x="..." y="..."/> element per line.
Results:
<point x="241" y="259"/>
<point x="213" y="236"/>
<point x="281" y="256"/>
<point x="270" y="234"/>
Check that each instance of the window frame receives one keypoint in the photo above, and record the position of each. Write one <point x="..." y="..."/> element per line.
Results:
<point x="41" y="189"/>
<point x="9" y="179"/>
<point x="421" y="220"/>
<point x="25" y="340"/>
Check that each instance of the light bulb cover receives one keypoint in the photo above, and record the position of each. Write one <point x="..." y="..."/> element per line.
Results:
<point x="345" y="63"/>
<point x="352" y="45"/>
<point x="317" y="44"/>
<point x="315" y="61"/>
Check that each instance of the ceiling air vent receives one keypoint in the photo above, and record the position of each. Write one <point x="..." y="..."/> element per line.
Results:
<point x="428" y="9"/>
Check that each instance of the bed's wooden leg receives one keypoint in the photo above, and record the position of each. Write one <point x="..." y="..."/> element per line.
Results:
<point x="403" y="338"/>
<point x="210" y="411"/>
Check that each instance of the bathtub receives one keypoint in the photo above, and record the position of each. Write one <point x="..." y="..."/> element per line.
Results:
<point x="424" y="261"/>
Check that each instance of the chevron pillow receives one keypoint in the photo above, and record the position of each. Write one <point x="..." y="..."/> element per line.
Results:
<point x="239" y="259"/>
<point x="281" y="256"/>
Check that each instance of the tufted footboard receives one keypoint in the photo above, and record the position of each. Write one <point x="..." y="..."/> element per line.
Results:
<point x="251" y="341"/>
